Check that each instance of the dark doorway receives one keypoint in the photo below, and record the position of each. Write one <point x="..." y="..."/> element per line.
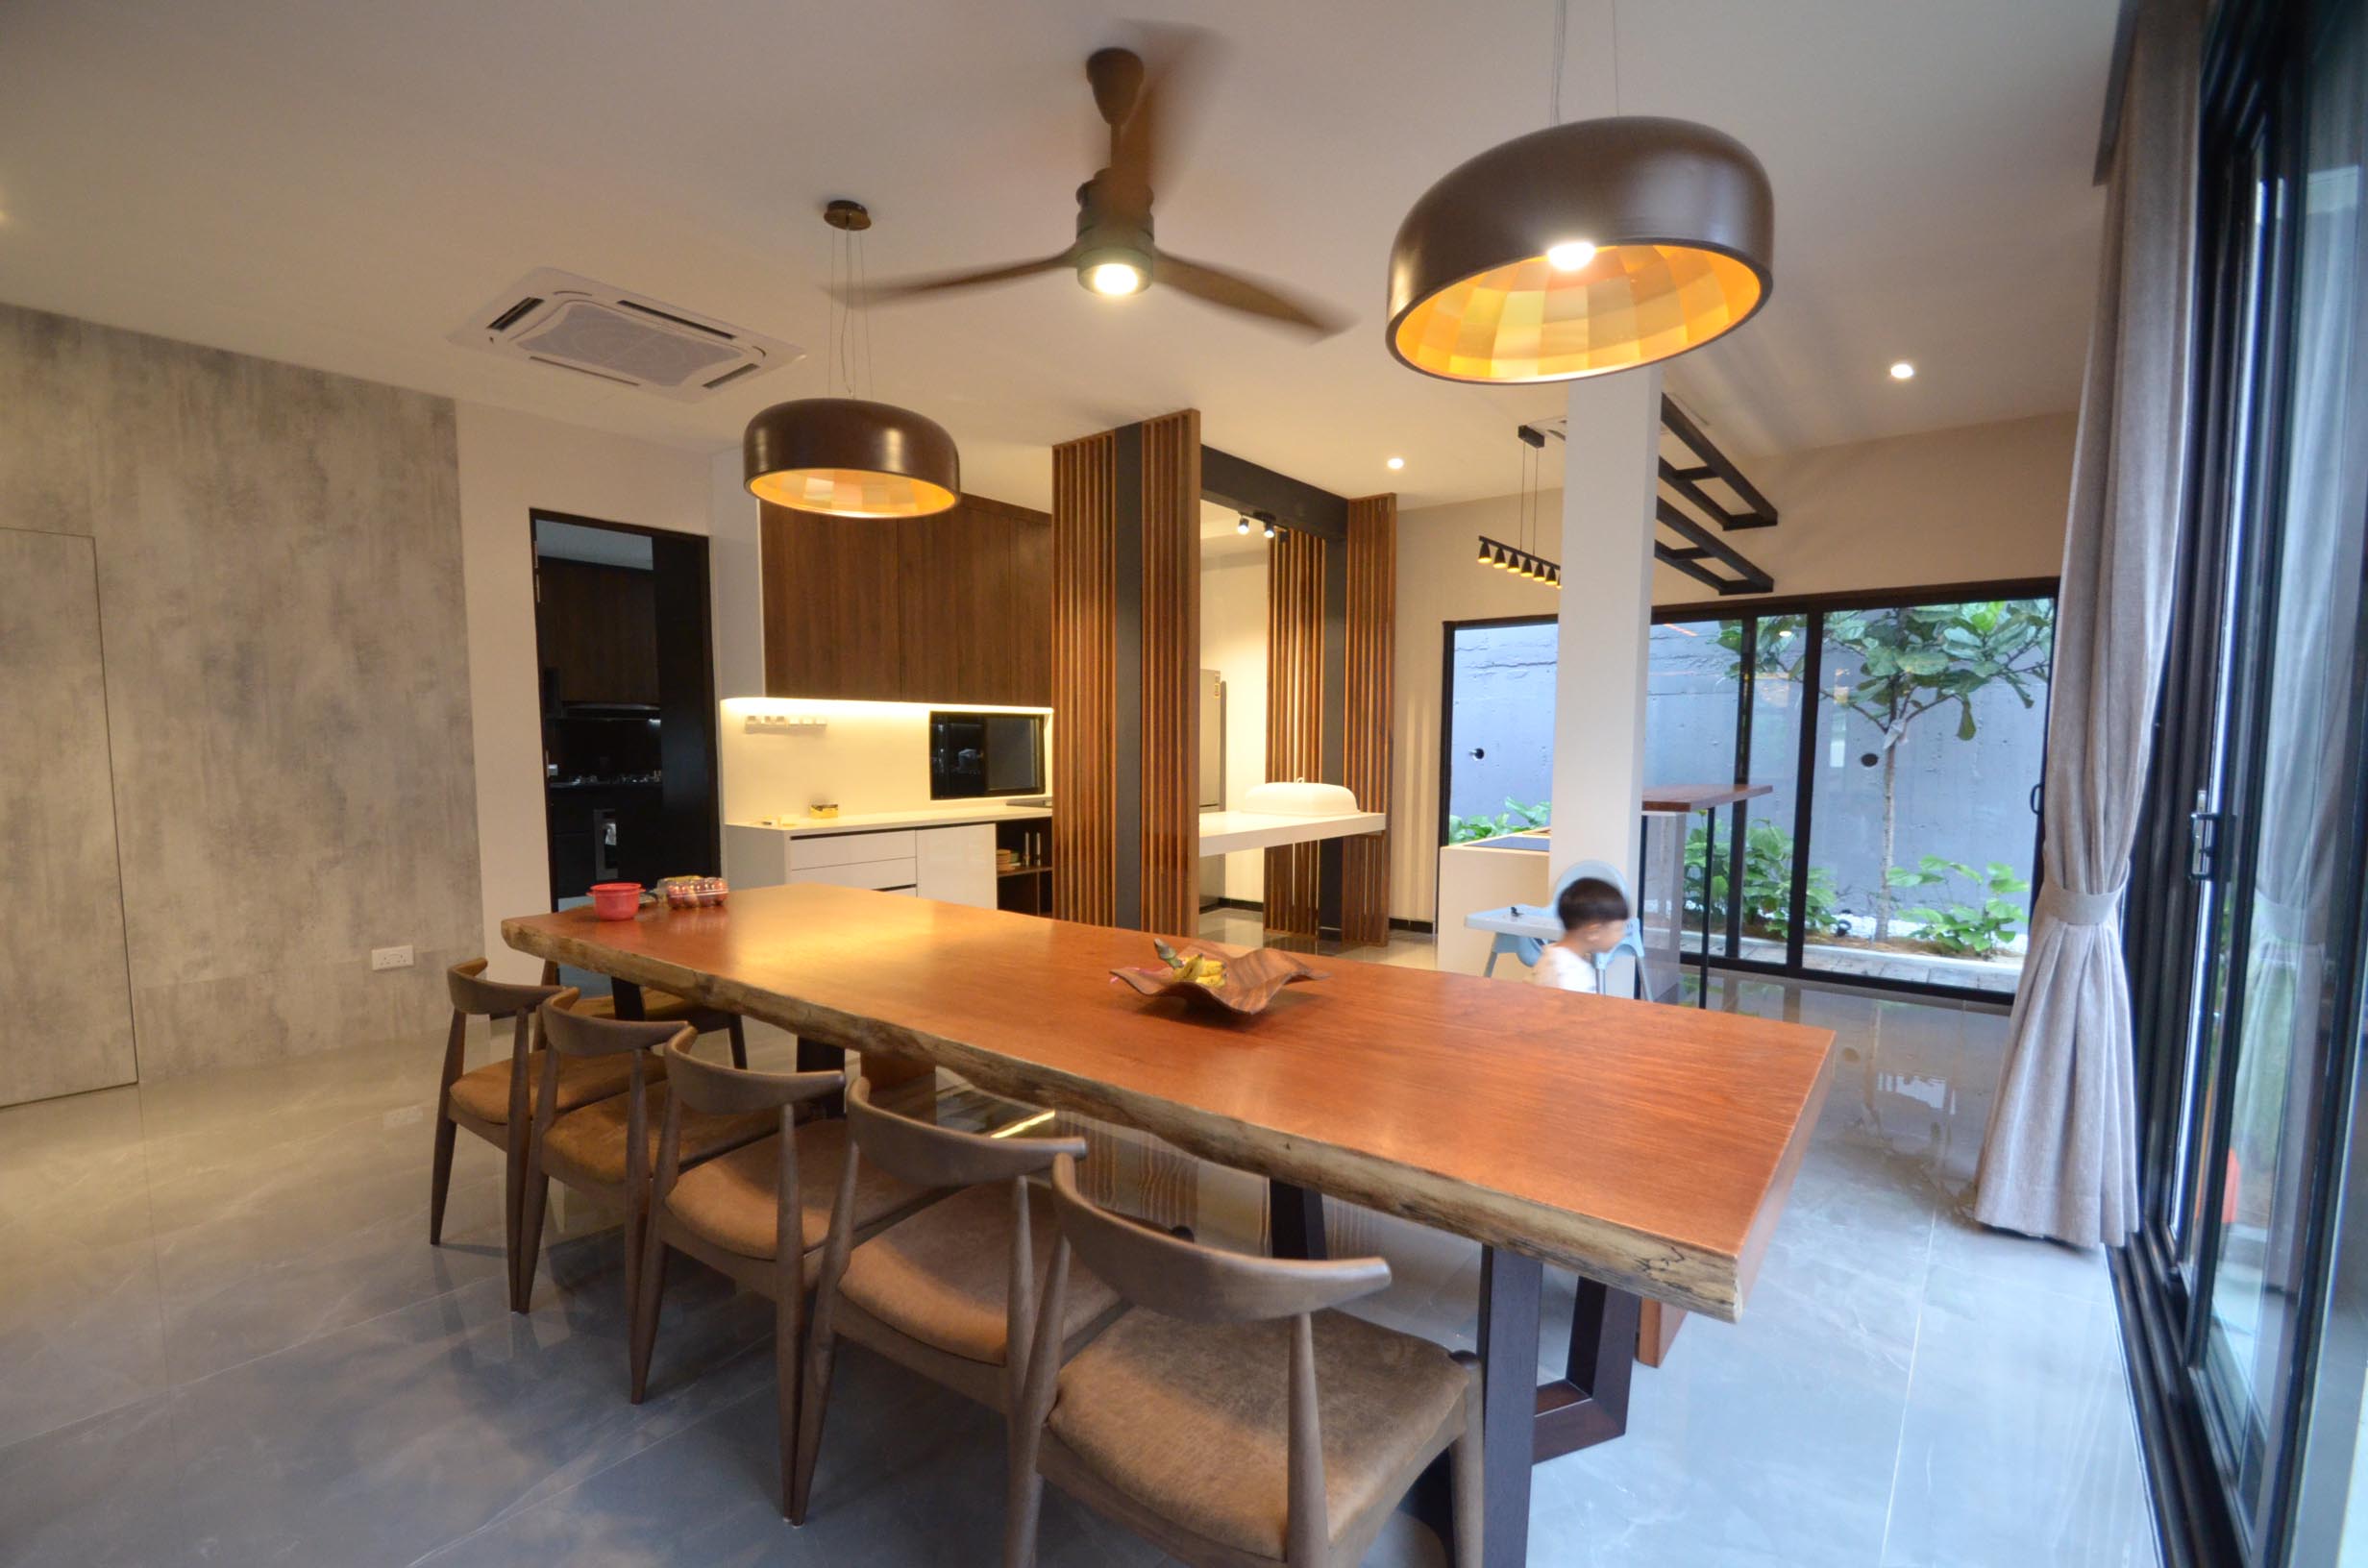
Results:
<point x="622" y="643"/>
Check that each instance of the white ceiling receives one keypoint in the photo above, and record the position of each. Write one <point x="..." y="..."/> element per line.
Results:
<point x="340" y="184"/>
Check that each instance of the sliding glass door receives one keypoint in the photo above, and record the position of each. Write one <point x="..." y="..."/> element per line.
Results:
<point x="2248" y="1285"/>
<point x="1901" y="737"/>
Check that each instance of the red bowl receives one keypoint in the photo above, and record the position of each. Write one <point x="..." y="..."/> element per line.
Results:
<point x="616" y="900"/>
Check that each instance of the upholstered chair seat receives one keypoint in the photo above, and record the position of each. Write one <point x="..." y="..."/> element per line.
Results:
<point x="1193" y="1420"/>
<point x="732" y="1201"/>
<point x="944" y="1276"/>
<point x="948" y="1292"/>
<point x="762" y="1214"/>
<point x="485" y="1091"/>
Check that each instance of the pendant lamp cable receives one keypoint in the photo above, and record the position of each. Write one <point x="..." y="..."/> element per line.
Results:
<point x="1562" y="37"/>
<point x="863" y="285"/>
<point x="1562" y="31"/>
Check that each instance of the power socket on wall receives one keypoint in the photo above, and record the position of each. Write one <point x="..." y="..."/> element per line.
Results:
<point x="391" y="958"/>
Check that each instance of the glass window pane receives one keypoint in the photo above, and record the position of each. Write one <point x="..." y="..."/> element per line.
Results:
<point x="2300" y="896"/>
<point x="1691" y="692"/>
<point x="1500" y="709"/>
<point x="1930" y="726"/>
<point x="1778" y="701"/>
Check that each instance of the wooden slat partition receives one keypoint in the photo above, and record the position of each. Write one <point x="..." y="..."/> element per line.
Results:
<point x="1294" y="715"/>
<point x="1084" y="688"/>
<point x="1373" y="652"/>
<point x="1170" y="691"/>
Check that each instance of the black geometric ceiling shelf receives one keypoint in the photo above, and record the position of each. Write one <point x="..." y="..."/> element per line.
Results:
<point x="1699" y="548"/>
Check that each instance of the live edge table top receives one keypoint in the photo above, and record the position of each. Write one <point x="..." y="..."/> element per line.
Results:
<point x="1648" y="1147"/>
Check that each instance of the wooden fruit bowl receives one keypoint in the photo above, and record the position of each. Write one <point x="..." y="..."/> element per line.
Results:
<point x="1253" y="976"/>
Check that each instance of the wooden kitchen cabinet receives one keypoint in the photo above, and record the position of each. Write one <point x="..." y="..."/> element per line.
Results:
<point x="950" y="609"/>
<point x="597" y="626"/>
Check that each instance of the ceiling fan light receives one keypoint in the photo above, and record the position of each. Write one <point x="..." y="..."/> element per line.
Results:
<point x="1680" y="224"/>
<point x="848" y="457"/>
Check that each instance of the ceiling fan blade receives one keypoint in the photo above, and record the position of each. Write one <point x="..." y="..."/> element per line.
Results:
<point x="895" y="289"/>
<point x="1177" y="62"/>
<point x="1234" y="293"/>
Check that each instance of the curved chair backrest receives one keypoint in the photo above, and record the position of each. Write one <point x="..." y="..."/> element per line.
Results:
<point x="575" y="1034"/>
<point x="1185" y="1278"/>
<point x="926" y="1156"/>
<point x="480" y="997"/>
<point x="719" y="1090"/>
<point x="1631" y="938"/>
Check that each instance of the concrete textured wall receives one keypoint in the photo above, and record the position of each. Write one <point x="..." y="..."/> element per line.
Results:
<point x="286" y="679"/>
<point x="68" y="1003"/>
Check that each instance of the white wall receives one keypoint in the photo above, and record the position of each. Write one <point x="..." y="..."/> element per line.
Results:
<point x="512" y="464"/>
<point x="1976" y="503"/>
<point x="1606" y="610"/>
<point x="735" y="560"/>
<point x="1233" y="643"/>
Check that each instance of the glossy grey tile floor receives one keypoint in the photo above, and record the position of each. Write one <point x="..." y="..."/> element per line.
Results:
<point x="226" y="1341"/>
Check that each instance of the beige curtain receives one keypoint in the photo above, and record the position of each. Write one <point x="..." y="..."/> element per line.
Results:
<point x="2060" y="1158"/>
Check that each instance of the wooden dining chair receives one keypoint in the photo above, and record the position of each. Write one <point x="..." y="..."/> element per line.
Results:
<point x="495" y="1101"/>
<point x="665" y="1007"/>
<point x="947" y="1292"/>
<point x="1232" y="1418"/>
<point x="760" y="1214"/>
<point x="604" y="1150"/>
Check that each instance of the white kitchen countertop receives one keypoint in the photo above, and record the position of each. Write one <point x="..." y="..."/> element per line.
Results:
<point x="1222" y="832"/>
<point x="976" y="811"/>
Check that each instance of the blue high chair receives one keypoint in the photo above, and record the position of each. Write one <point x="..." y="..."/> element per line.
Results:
<point x="1528" y="950"/>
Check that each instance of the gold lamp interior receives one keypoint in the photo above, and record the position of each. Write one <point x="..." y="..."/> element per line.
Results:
<point x="1629" y="306"/>
<point x="851" y="492"/>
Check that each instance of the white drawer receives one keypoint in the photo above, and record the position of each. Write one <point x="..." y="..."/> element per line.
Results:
<point x="848" y="849"/>
<point x="863" y="874"/>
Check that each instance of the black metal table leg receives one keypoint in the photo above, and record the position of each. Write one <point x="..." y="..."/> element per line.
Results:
<point x="1294" y="1220"/>
<point x="813" y="1056"/>
<point x="1509" y="1287"/>
<point x="627" y="996"/>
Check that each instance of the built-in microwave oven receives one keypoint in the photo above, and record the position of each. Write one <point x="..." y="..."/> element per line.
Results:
<point x="974" y="754"/>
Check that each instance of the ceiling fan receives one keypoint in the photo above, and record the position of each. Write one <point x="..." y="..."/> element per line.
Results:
<point x="1114" y="253"/>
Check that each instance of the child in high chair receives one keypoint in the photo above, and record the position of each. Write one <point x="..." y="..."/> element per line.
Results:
<point x="1594" y="917"/>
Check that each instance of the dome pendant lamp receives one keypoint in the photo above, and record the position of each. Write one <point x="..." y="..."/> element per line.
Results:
<point x="1580" y="249"/>
<point x="849" y="457"/>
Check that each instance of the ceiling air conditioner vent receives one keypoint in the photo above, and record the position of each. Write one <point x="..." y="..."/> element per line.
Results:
<point x="555" y="318"/>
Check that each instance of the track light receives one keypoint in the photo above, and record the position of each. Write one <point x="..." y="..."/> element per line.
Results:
<point x="1242" y="527"/>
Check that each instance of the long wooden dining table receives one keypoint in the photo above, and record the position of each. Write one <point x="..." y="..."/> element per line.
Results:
<point x="1648" y="1148"/>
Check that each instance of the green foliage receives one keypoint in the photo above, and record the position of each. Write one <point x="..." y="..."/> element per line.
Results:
<point x="1767" y="885"/>
<point x="1516" y="817"/>
<point x="1977" y="929"/>
<point x="1904" y="663"/>
<point x="1893" y="666"/>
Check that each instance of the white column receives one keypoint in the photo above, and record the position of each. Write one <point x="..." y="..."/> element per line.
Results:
<point x="1609" y="484"/>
